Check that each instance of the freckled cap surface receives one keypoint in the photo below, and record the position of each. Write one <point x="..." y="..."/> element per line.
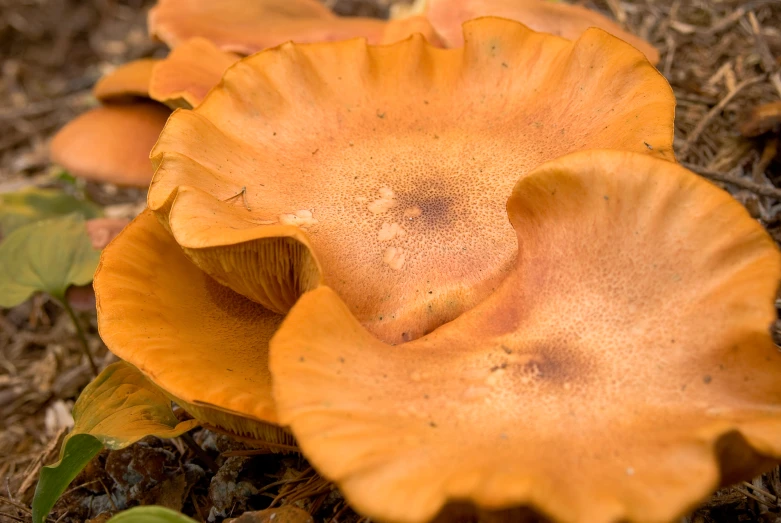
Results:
<point x="128" y="81"/>
<point x="558" y="18"/>
<point x="203" y="344"/>
<point x="190" y="70"/>
<point x="397" y="160"/>
<point x="246" y="27"/>
<point x="111" y="143"/>
<point x="629" y="348"/>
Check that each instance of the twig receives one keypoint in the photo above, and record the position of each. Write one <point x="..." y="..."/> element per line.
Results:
<point x="199" y="452"/>
<point x="618" y="10"/>
<point x="77" y="487"/>
<point x="765" y="56"/>
<point x="280" y="482"/>
<point x="197" y="508"/>
<point x="259" y="452"/>
<point x="11" y="516"/>
<point x="80" y="333"/>
<point x="243" y="194"/>
<point x="735" y="16"/>
<point x="760" y="490"/>
<point x="762" y="190"/>
<point x="697" y="131"/>
<point x="42" y="107"/>
<point x="335" y="518"/>
<point x="752" y="496"/>
<point x="16" y="504"/>
<point x="109" y="494"/>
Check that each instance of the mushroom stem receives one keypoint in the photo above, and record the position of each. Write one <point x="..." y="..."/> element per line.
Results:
<point x="80" y="333"/>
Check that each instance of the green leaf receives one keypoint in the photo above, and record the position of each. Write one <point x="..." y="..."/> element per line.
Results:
<point x="64" y="176"/>
<point x="150" y="514"/>
<point x="33" y="204"/>
<point x="118" y="408"/>
<point x="48" y="255"/>
<point x="77" y="451"/>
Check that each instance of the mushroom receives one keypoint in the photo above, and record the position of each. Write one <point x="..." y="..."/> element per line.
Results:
<point x="203" y="344"/>
<point x="629" y="346"/>
<point x="399" y="29"/>
<point x="559" y="18"/>
<point x="111" y="143"/>
<point x="188" y="73"/>
<point x="394" y="160"/>
<point x="126" y="82"/>
<point x="246" y="27"/>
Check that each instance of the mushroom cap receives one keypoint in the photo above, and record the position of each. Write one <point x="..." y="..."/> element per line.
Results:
<point x="203" y="344"/>
<point x="246" y="27"/>
<point x="128" y="81"/>
<point x="629" y="346"/>
<point x="396" y="160"/>
<point x="399" y="29"/>
<point x="111" y="143"/>
<point x="558" y="18"/>
<point x="190" y="70"/>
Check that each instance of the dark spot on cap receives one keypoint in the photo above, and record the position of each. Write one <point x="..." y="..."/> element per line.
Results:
<point x="497" y="367"/>
<point x="557" y="364"/>
<point x="707" y="379"/>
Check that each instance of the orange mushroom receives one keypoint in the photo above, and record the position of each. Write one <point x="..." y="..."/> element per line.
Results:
<point x="629" y="346"/>
<point x="246" y="27"/>
<point x="395" y="160"/>
<point x="203" y="344"/>
<point x="397" y="30"/>
<point x="126" y="82"/>
<point x="188" y="73"/>
<point x="558" y="18"/>
<point x="111" y="143"/>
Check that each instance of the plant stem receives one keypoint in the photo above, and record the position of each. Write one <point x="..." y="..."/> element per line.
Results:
<point x="80" y="332"/>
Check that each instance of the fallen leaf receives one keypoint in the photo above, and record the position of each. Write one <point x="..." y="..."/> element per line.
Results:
<point x="101" y="231"/>
<point x="286" y="514"/>
<point x="33" y="204"/>
<point x="118" y="408"/>
<point x="48" y="255"/>
<point x="150" y="514"/>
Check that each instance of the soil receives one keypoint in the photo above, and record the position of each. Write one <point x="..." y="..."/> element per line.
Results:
<point x="722" y="57"/>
